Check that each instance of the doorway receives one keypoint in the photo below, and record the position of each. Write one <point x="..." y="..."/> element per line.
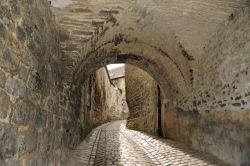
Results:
<point x="159" y="118"/>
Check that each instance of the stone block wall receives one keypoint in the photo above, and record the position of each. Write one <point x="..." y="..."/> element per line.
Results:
<point x="28" y="74"/>
<point x="141" y="94"/>
<point x="39" y="117"/>
<point x="122" y="105"/>
<point x="222" y="95"/>
<point x="219" y="121"/>
<point x="99" y="101"/>
<point x="215" y="118"/>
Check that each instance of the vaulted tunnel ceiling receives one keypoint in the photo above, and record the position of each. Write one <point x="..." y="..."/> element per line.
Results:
<point x="176" y="31"/>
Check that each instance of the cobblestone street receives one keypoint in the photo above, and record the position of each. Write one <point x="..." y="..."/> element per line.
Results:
<point x="113" y="144"/>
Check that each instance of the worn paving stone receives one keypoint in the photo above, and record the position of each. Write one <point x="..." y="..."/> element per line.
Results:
<point x="112" y="144"/>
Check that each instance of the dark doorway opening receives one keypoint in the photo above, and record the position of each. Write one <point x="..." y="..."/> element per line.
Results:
<point x="159" y="128"/>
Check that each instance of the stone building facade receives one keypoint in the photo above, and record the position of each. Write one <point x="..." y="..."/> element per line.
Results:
<point x="142" y="98"/>
<point x="117" y="77"/>
<point x="122" y="100"/>
<point x="99" y="101"/>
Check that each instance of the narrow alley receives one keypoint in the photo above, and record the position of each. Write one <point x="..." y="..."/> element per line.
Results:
<point x="112" y="144"/>
<point x="179" y="95"/>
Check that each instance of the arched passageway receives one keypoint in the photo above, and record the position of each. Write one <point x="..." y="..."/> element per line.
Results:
<point x="197" y="51"/>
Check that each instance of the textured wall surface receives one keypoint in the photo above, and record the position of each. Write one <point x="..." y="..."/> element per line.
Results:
<point x="219" y="123"/>
<point x="35" y="122"/>
<point x="217" y="119"/>
<point x="196" y="50"/>
<point x="99" y="101"/>
<point x="122" y="102"/>
<point x="39" y="118"/>
<point x="142" y="97"/>
<point x="223" y="94"/>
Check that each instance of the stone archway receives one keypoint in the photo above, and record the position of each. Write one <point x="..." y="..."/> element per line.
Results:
<point x="157" y="63"/>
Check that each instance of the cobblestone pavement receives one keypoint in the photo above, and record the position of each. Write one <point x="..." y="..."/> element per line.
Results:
<point x="112" y="144"/>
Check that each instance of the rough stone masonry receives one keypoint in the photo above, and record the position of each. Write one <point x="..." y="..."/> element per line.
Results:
<point x="39" y="117"/>
<point x="51" y="94"/>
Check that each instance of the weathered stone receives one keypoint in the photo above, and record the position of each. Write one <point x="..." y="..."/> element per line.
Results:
<point x="35" y="82"/>
<point x="46" y="141"/>
<point x="40" y="118"/>
<point x="33" y="160"/>
<point x="10" y="162"/>
<point x="2" y="79"/>
<point x="15" y="87"/>
<point x="141" y="92"/>
<point x="23" y="74"/>
<point x="57" y="124"/>
<point x="2" y="30"/>
<point x="63" y="99"/>
<point x="29" y="59"/>
<point x="66" y="137"/>
<point x="4" y="104"/>
<point x="8" y="141"/>
<point x="222" y="105"/>
<point x="58" y="139"/>
<point x="20" y="34"/>
<point x="23" y="113"/>
<point x="236" y="104"/>
<point x="34" y="97"/>
<point x="53" y="104"/>
<point x="200" y="58"/>
<point x="238" y="97"/>
<point x="29" y="40"/>
<point x="27" y="142"/>
<point x="50" y="120"/>
<point x="8" y="60"/>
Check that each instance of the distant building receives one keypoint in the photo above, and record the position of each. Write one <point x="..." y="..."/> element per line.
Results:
<point x="117" y="77"/>
<point x="117" y="73"/>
